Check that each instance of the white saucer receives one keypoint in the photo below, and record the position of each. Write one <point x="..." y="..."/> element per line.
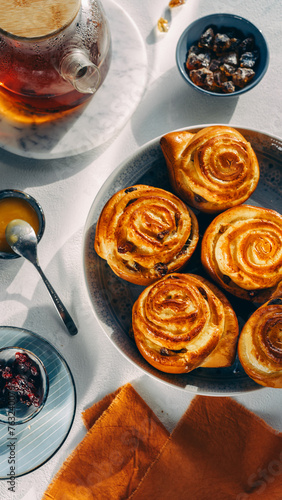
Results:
<point x="37" y="440"/>
<point x="106" y="113"/>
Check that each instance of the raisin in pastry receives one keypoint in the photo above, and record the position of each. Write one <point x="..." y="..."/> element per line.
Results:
<point x="145" y="233"/>
<point x="182" y="322"/>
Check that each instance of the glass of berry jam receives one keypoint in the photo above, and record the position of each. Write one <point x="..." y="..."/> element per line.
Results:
<point x="24" y="385"/>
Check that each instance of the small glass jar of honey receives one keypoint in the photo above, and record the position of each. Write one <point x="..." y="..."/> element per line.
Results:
<point x="15" y="204"/>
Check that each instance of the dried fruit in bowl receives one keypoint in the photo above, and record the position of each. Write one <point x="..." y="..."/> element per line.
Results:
<point x="227" y="52"/>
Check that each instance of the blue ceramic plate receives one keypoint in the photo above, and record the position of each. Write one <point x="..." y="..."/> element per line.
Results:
<point x="31" y="444"/>
<point x="192" y="33"/>
<point x="112" y="298"/>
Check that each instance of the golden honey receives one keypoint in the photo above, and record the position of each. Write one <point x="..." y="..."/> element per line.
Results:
<point x="15" y="208"/>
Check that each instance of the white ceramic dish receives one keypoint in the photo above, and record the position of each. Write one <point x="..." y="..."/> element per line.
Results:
<point x="112" y="298"/>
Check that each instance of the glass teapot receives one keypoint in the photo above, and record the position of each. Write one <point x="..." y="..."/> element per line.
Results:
<point x="54" y="54"/>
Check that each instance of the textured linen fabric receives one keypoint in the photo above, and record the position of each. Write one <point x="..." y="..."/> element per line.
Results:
<point x="219" y="450"/>
<point x="124" y="437"/>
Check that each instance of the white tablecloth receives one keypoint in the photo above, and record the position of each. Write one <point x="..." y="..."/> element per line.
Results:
<point x="66" y="189"/>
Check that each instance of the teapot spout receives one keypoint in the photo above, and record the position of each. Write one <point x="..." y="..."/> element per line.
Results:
<point x="77" y="69"/>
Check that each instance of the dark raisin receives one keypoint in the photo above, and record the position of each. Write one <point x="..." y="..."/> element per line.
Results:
<point x="214" y="65"/>
<point x="199" y="199"/>
<point x="221" y="43"/>
<point x="125" y="246"/>
<point x="226" y="279"/>
<point x="231" y="58"/>
<point x="219" y="78"/>
<point x="227" y="69"/>
<point x="182" y="252"/>
<point x="202" y="77"/>
<point x="228" y="87"/>
<point x="161" y="268"/>
<point x="136" y="266"/>
<point x="193" y="61"/>
<point x="177" y="218"/>
<point x="161" y="235"/>
<point x="248" y="59"/>
<point x="206" y="39"/>
<point x="242" y="76"/>
<point x="168" y="352"/>
<point x="196" y="61"/>
<point x="247" y="44"/>
<point x="131" y="201"/>
<point x="203" y="292"/>
<point x="235" y="42"/>
<point x="184" y="248"/>
<point x="129" y="190"/>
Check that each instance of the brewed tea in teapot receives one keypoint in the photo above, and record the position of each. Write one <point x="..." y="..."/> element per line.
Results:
<point x="54" y="54"/>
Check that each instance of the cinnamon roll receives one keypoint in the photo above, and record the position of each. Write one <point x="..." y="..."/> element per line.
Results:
<point x="212" y="170"/>
<point x="182" y="322"/>
<point x="242" y="251"/>
<point x="145" y="233"/>
<point x="260" y="343"/>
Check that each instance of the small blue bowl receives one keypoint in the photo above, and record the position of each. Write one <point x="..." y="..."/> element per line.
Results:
<point x="16" y="193"/>
<point x="192" y="34"/>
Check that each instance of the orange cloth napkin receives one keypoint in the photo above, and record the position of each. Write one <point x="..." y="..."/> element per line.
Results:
<point x="124" y="437"/>
<point x="219" y="450"/>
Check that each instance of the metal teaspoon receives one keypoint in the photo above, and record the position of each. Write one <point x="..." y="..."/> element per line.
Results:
<point x="22" y="239"/>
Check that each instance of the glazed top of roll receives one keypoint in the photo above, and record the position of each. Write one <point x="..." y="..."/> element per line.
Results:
<point x="144" y="233"/>
<point x="260" y="344"/>
<point x="242" y="250"/>
<point x="212" y="170"/>
<point x="183" y="321"/>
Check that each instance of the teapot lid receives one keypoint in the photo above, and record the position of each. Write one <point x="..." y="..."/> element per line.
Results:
<point x="36" y="18"/>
